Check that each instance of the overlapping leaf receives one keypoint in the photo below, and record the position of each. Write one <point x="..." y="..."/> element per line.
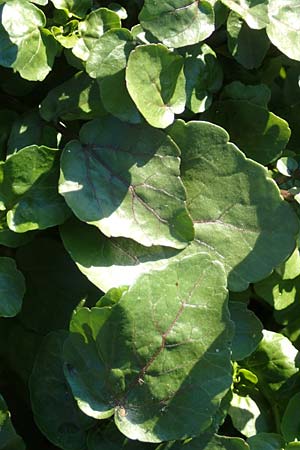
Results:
<point x="108" y="263"/>
<point x="161" y="352"/>
<point x="178" y="23"/>
<point x="156" y="83"/>
<point x="233" y="201"/>
<point x="107" y="62"/>
<point x="28" y="189"/>
<point x="124" y="179"/>
<point x="25" y="45"/>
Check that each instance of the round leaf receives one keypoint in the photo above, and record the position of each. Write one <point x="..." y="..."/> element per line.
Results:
<point x="156" y="83"/>
<point x="124" y="179"/>
<point x="162" y="348"/>
<point x="178" y="23"/>
<point x="231" y="200"/>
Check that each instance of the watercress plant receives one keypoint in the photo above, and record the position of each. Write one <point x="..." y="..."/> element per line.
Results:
<point x="149" y="204"/>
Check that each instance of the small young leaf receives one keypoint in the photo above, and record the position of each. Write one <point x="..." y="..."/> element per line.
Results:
<point x="156" y="83"/>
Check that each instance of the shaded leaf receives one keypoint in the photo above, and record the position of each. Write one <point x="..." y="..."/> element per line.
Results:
<point x="9" y="439"/>
<point x="261" y="134"/>
<point x="55" y="410"/>
<point x="248" y="330"/>
<point x="156" y="83"/>
<point x="29" y="129"/>
<point x="266" y="441"/>
<point x="162" y="346"/>
<point x="248" y="47"/>
<point x="124" y="179"/>
<point x="258" y="94"/>
<point x="290" y="424"/>
<point x="274" y="364"/>
<point x="203" y="77"/>
<point x="76" y="98"/>
<point x="110" y="262"/>
<point x="12" y="288"/>
<point x="249" y="414"/>
<point x="233" y="201"/>
<point x="178" y="23"/>
<point x="107" y="62"/>
<point x="29" y="189"/>
<point x="54" y="286"/>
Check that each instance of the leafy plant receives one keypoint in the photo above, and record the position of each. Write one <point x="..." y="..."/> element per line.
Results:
<point x="149" y="204"/>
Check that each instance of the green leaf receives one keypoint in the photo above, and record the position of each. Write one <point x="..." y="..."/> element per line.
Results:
<point x="76" y="98"/>
<point x="249" y="414"/>
<point x="29" y="189"/>
<point x="266" y="441"/>
<point x="273" y="363"/>
<point x="167" y="343"/>
<point x="208" y="443"/>
<point x="66" y="35"/>
<point x="108" y="263"/>
<point x="286" y="166"/>
<point x="258" y="94"/>
<point x="118" y="9"/>
<point x="29" y="129"/>
<point x="110" y="438"/>
<point x="54" y="286"/>
<point x="248" y="47"/>
<point x="156" y="83"/>
<point x="284" y="27"/>
<point x="203" y="77"/>
<point x="261" y="134"/>
<point x="177" y="23"/>
<point x="231" y="200"/>
<point x="9" y="439"/>
<point x="10" y="238"/>
<point x="76" y="8"/>
<point x="277" y="292"/>
<point x="255" y="13"/>
<point x="290" y="269"/>
<point x="290" y="424"/>
<point x="92" y="28"/>
<point x="124" y="179"/>
<point x="12" y="288"/>
<point x="55" y="411"/>
<point x="248" y="330"/>
<point x="107" y="62"/>
<point x="27" y="47"/>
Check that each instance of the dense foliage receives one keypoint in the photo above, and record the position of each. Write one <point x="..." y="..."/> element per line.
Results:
<point x="149" y="203"/>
